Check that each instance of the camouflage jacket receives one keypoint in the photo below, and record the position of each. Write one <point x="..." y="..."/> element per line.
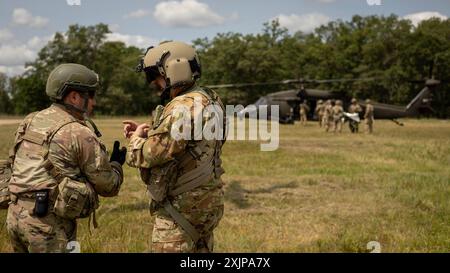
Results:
<point x="369" y="112"/>
<point x="328" y="110"/>
<point x="320" y="109"/>
<point x="354" y="108"/>
<point x="304" y="108"/>
<point x="338" y="112"/>
<point x="75" y="151"/>
<point x="160" y="148"/>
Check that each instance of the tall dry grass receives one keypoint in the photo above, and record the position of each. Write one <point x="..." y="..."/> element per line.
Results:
<point x="317" y="193"/>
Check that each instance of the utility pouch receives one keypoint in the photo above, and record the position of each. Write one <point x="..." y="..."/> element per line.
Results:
<point x="159" y="179"/>
<point x="41" y="204"/>
<point x="75" y="199"/>
<point x="5" y="176"/>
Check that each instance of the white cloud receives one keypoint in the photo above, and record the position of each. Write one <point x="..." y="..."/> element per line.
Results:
<point x="5" y="35"/>
<point x="137" y="14"/>
<point x="416" y="18"/>
<point x="138" y="41"/>
<point x="305" y="22"/>
<point x="15" y="55"/>
<point x="186" y="13"/>
<point x="36" y="43"/>
<point x="114" y="27"/>
<point x="25" y="18"/>
<point x="11" y="71"/>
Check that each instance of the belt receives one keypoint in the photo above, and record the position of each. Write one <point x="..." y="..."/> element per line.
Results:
<point x="23" y="196"/>
<point x="26" y="198"/>
<point x="22" y="201"/>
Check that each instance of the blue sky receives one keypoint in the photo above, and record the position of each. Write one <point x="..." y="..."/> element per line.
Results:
<point x="26" y="26"/>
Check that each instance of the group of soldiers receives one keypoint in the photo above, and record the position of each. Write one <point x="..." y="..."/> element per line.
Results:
<point x="331" y="115"/>
<point x="58" y="165"/>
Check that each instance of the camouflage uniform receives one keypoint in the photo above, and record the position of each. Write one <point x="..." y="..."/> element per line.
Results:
<point x="354" y="108"/>
<point x="328" y="116"/>
<point x="202" y="206"/>
<point x="75" y="152"/>
<point x="338" y="113"/>
<point x="320" y="111"/>
<point x="369" y="118"/>
<point x="304" y="109"/>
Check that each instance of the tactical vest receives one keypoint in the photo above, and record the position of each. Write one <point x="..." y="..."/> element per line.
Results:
<point x="6" y="165"/>
<point x="198" y="165"/>
<point x="338" y="112"/>
<point x="33" y="171"/>
<point x="5" y="176"/>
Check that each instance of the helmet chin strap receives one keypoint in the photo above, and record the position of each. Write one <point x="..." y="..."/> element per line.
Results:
<point x="84" y="112"/>
<point x="165" y="94"/>
<point x="89" y="120"/>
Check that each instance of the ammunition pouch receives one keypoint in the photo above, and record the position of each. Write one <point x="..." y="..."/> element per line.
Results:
<point x="75" y="199"/>
<point x="5" y="176"/>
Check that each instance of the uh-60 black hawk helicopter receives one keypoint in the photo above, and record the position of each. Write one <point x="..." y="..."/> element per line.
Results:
<point x="289" y="100"/>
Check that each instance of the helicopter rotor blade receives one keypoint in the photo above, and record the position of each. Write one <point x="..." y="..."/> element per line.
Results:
<point x="237" y="85"/>
<point x="292" y="81"/>
<point x="344" y="80"/>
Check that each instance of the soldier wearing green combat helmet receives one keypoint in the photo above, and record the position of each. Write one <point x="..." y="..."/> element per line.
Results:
<point x="59" y="166"/>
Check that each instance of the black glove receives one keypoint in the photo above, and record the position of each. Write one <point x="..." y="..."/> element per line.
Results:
<point x="118" y="155"/>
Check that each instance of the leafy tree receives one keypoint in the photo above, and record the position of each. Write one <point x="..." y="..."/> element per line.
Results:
<point x="386" y="47"/>
<point x="5" y="101"/>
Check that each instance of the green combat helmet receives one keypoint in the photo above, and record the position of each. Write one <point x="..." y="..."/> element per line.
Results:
<point x="73" y="77"/>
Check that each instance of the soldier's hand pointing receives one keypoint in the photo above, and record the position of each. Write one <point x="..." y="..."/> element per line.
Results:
<point x="142" y="130"/>
<point x="129" y="126"/>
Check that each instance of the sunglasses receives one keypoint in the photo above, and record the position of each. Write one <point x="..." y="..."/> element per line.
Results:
<point x="151" y="73"/>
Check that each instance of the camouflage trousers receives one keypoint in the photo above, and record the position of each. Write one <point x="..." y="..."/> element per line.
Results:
<point x="369" y="126"/>
<point x="326" y="123"/>
<point x="168" y="236"/>
<point x="30" y="234"/>
<point x="337" y="125"/>
<point x="303" y="119"/>
<point x="320" y="117"/>
<point x="203" y="208"/>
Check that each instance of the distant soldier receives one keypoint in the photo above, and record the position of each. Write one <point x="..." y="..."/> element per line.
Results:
<point x="368" y="117"/>
<point x="304" y="110"/>
<point x="59" y="165"/>
<point x="327" y="116"/>
<point x="338" y="114"/>
<point x="354" y="108"/>
<point x="320" y="111"/>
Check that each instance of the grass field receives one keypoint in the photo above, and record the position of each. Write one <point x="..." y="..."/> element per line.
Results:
<point x="317" y="193"/>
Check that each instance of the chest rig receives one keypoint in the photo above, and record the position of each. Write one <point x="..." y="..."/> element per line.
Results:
<point x="198" y="165"/>
<point x="68" y="198"/>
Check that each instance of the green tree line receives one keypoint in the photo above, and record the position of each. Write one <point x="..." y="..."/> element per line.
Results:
<point x="386" y="47"/>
